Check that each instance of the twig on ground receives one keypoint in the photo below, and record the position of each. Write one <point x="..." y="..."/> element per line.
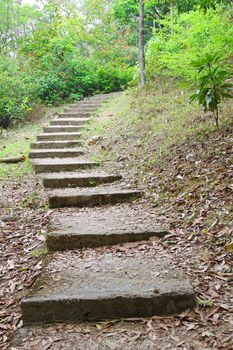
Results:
<point x="13" y="159"/>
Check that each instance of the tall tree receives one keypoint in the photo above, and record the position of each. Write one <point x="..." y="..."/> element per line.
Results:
<point x="141" y="43"/>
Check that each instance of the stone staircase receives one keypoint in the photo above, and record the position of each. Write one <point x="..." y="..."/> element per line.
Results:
<point x="74" y="287"/>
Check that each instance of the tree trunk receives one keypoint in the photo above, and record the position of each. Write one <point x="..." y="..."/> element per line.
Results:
<point x="141" y="43"/>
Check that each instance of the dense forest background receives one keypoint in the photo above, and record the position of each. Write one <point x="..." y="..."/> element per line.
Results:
<point x="63" y="50"/>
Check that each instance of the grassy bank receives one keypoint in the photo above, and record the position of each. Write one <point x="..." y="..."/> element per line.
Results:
<point x="147" y="123"/>
<point x="16" y="141"/>
<point x="172" y="150"/>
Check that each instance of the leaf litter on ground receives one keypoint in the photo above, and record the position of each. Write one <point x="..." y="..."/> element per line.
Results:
<point x="197" y="211"/>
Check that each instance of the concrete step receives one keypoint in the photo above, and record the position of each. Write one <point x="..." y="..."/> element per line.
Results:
<point x="69" y="121"/>
<point x="70" y="179"/>
<point x="55" y="129"/>
<point x="56" y="153"/>
<point x="60" y="136"/>
<point x="95" y="98"/>
<point x="106" y="227"/>
<point x="48" y="165"/>
<point x="98" y="287"/>
<point x="101" y="97"/>
<point x="80" y="110"/>
<point x="55" y="144"/>
<point x="74" y="115"/>
<point x="86" y="104"/>
<point x="90" y="197"/>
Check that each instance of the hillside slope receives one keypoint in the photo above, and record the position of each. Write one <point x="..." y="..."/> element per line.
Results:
<point x="172" y="151"/>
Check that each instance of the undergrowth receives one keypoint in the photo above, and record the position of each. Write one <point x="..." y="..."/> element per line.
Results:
<point x="145" y="123"/>
<point x="172" y="151"/>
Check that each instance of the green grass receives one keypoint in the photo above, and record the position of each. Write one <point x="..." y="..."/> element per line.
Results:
<point x="145" y="123"/>
<point x="15" y="142"/>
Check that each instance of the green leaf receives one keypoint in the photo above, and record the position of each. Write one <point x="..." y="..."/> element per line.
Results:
<point x="204" y="302"/>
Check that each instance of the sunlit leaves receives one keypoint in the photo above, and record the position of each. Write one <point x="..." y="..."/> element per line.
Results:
<point x="212" y="84"/>
<point x="185" y="38"/>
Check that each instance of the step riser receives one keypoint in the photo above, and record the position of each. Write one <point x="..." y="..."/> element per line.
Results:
<point x="71" y="241"/>
<point x="46" y="145"/>
<point x="55" y="129"/>
<point x="61" y="122"/>
<point x="52" y="137"/>
<point x="74" y="115"/>
<point x="97" y="98"/>
<point x="86" y="105"/>
<point x="90" y="200"/>
<point x="43" y="310"/>
<point x="54" y="154"/>
<point x="79" y="110"/>
<point x="61" y="167"/>
<point x="78" y="182"/>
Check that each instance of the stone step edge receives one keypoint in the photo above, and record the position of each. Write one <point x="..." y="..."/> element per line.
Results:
<point x="55" y="137"/>
<point x="65" y="128"/>
<point x="53" y="168"/>
<point x="55" y="153"/>
<point x="72" y="133"/>
<point x="62" y="239"/>
<point x="101" y="306"/>
<point x="68" y="121"/>
<point x="83" y="199"/>
<point x="58" y="309"/>
<point x="78" y="180"/>
<point x="55" y="144"/>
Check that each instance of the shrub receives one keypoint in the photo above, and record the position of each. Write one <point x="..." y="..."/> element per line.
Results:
<point x="76" y="78"/>
<point x="212" y="85"/>
<point x="109" y="78"/>
<point x="14" y="97"/>
<point x="186" y="38"/>
<point x="203" y="37"/>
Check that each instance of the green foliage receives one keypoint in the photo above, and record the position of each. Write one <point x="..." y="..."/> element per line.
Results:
<point x="211" y="4"/>
<point x="212" y="84"/>
<point x="76" y="55"/>
<point x="73" y="80"/>
<point x="31" y="200"/>
<point x="64" y="51"/>
<point x="14" y="92"/>
<point x="203" y="37"/>
<point x="126" y="13"/>
<point x="186" y="38"/>
<point x="15" y="20"/>
<point x="15" y="142"/>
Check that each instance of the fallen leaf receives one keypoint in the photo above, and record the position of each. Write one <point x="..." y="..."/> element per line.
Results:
<point x="229" y="247"/>
<point x="203" y="302"/>
<point x="211" y="312"/>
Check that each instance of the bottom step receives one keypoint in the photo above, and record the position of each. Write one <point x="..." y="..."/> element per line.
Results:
<point x="107" y="286"/>
<point x="90" y="197"/>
